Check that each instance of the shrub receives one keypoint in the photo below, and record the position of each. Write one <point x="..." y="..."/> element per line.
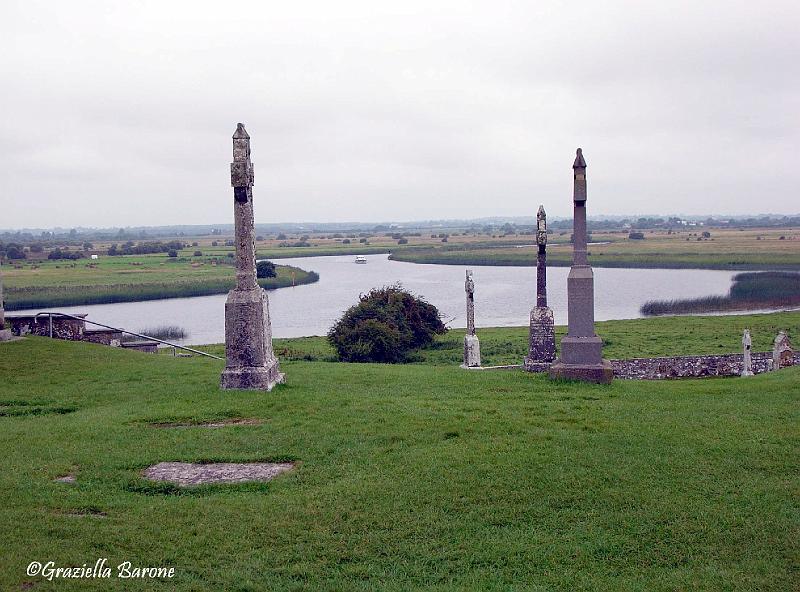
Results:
<point x="265" y="269"/>
<point x="706" y="234"/>
<point x="346" y="241"/>
<point x="362" y="240"/>
<point x="385" y="325"/>
<point x="634" y="235"/>
<point x="172" y="253"/>
<point x="198" y="253"/>
<point x="402" y="241"/>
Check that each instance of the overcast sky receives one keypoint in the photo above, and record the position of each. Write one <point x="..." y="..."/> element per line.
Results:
<point x="120" y="113"/>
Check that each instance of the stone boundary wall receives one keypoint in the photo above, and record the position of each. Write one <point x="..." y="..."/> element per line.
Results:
<point x="692" y="366"/>
<point x="63" y="328"/>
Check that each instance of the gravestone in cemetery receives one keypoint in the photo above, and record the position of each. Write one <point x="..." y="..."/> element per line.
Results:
<point x="747" y="361"/>
<point x="782" y="353"/>
<point x="472" y="347"/>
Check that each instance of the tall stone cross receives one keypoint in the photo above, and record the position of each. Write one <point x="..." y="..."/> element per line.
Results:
<point x="472" y="346"/>
<point x="541" y="257"/>
<point x="541" y="337"/>
<point x="250" y="362"/>
<point x="469" y="289"/>
<point x="581" y="349"/>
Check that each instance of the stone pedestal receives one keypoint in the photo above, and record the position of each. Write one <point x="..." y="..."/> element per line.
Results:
<point x="250" y="362"/>
<point x="472" y="352"/>
<point x="542" y="340"/>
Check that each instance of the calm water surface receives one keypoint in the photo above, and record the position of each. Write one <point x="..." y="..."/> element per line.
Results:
<point x="503" y="296"/>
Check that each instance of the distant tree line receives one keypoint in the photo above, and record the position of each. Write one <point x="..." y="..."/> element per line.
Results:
<point x="145" y="248"/>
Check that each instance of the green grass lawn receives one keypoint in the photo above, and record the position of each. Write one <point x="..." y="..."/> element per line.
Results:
<point x="420" y="476"/>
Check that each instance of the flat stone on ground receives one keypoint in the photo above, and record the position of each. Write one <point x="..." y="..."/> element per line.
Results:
<point x="187" y="474"/>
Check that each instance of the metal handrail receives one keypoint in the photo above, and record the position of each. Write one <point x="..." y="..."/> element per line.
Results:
<point x="63" y="314"/>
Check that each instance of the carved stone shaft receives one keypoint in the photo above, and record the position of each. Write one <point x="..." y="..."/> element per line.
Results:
<point x="250" y="362"/>
<point x="469" y="289"/>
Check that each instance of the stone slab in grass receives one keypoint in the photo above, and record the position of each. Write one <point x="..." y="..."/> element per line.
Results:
<point x="211" y="424"/>
<point x="188" y="474"/>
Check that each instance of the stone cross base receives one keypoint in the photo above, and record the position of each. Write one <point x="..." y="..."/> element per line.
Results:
<point x="601" y="373"/>
<point x="472" y="352"/>
<point x="5" y="335"/>
<point x="261" y="378"/>
<point x="542" y="340"/>
<point x="582" y="350"/>
<point x="250" y="361"/>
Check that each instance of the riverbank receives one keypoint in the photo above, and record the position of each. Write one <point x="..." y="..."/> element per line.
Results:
<point x="129" y="279"/>
<point x="407" y="477"/>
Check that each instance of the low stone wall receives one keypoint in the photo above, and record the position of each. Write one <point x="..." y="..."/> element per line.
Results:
<point x="110" y="337"/>
<point x="692" y="366"/>
<point x="63" y="328"/>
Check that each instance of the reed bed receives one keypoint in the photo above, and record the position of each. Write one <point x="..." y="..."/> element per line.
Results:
<point x="750" y="291"/>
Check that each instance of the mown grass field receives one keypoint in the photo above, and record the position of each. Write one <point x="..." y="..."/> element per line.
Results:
<point x="419" y="476"/>
<point x="127" y="278"/>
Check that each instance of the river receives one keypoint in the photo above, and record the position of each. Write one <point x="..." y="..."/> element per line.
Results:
<point x="503" y="296"/>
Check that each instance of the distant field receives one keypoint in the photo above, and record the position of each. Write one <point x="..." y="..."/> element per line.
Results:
<point x="725" y="249"/>
<point x="127" y="278"/>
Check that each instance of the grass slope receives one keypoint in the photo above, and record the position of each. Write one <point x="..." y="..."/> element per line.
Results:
<point x="409" y="477"/>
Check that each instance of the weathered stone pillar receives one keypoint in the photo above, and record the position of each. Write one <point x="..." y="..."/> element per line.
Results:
<point x="472" y="347"/>
<point x="250" y="362"/>
<point x="581" y="349"/>
<point x="542" y="337"/>
<point x="5" y="334"/>
<point x="782" y="353"/>
<point x="747" y="361"/>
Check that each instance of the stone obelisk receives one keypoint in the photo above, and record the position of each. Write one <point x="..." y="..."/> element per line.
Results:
<point x="472" y="347"/>
<point x="581" y="350"/>
<point x="542" y="337"/>
<point x="5" y="334"/>
<point x="250" y="362"/>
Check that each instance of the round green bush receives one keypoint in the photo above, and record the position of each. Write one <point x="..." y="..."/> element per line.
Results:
<point x="385" y="326"/>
